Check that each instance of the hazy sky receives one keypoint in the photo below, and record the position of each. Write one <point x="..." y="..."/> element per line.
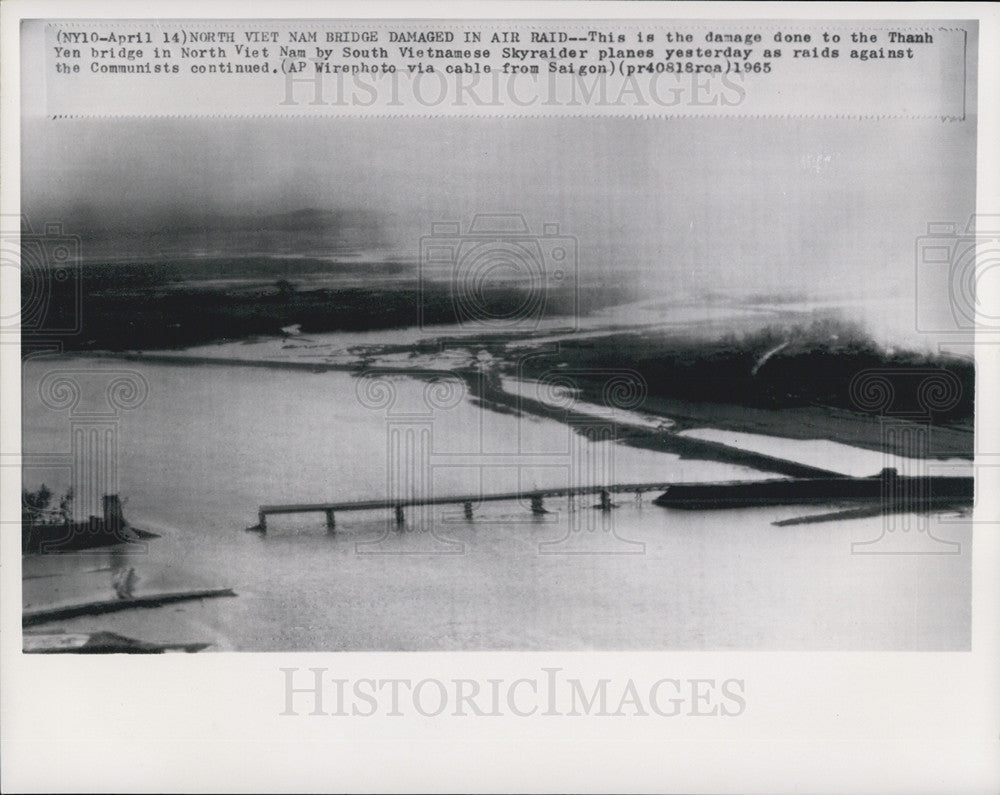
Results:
<point x="823" y="205"/>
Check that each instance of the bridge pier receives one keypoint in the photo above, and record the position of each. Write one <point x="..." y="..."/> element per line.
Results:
<point x="400" y="516"/>
<point x="605" y="504"/>
<point x="331" y="522"/>
<point x="467" y="509"/>
<point x="537" y="508"/>
<point x="262" y="521"/>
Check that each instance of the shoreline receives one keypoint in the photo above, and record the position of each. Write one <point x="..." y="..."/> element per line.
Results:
<point x="806" y="423"/>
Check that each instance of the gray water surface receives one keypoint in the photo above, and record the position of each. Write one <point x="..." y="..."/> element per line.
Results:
<point x="211" y="443"/>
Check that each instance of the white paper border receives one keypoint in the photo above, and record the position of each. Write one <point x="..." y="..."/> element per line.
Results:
<point x="818" y="722"/>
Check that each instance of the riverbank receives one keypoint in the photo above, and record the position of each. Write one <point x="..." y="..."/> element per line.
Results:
<point x="744" y="400"/>
<point x="815" y="379"/>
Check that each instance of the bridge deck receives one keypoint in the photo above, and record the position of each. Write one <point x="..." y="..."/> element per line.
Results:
<point x="475" y="499"/>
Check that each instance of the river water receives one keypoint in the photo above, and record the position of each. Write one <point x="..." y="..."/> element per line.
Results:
<point x="210" y="443"/>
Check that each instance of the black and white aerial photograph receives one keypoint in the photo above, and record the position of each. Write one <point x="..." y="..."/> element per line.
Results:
<point x="398" y="383"/>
